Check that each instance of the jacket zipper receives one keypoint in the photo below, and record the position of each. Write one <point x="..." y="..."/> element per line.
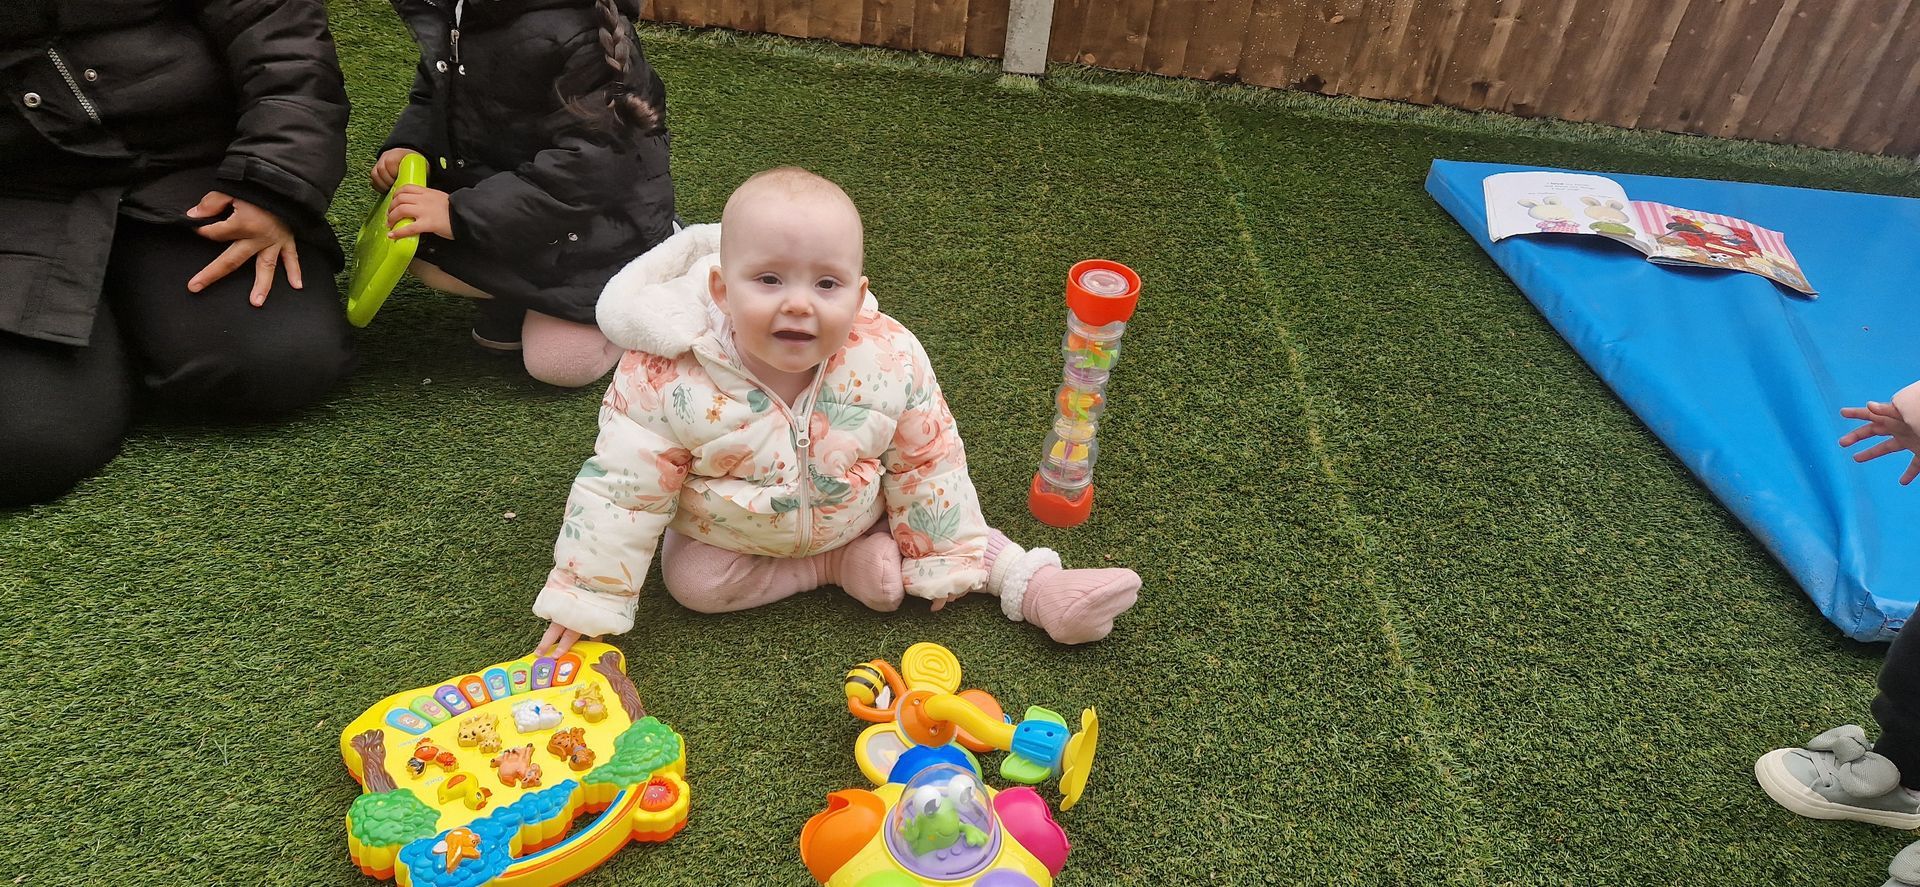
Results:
<point x="459" y="8"/>
<point x="800" y="420"/>
<point x="86" y="104"/>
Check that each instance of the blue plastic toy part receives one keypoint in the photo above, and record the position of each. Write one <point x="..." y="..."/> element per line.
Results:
<point x="1039" y="740"/>
<point x="379" y="260"/>
<point x="1743" y="380"/>
<point x="920" y="757"/>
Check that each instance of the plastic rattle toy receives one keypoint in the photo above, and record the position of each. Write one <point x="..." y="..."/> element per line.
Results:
<point x="931" y="818"/>
<point x="1101" y="296"/>
<point x="378" y="260"/>
<point x="470" y="805"/>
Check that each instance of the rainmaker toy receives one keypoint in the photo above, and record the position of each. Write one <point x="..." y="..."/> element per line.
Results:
<point x="1101" y="296"/>
<point x="931" y="818"/>
<point x="481" y="780"/>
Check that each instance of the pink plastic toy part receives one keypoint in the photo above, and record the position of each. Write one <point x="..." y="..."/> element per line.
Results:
<point x="1026" y="817"/>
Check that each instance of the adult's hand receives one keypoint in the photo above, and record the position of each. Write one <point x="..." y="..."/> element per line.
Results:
<point x="252" y="234"/>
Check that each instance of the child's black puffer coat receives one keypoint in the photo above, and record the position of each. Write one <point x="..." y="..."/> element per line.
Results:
<point x="546" y="204"/>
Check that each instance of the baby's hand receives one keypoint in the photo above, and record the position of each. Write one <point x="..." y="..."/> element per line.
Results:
<point x="557" y="641"/>
<point x="943" y="601"/>
<point x="1898" y="421"/>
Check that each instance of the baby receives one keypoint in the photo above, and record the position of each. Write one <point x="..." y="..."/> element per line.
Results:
<point x="783" y="434"/>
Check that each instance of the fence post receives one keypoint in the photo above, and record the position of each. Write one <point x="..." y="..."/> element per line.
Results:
<point x="1029" y="23"/>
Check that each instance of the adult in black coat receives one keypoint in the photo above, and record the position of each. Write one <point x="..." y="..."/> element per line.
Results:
<point x="545" y="134"/>
<point x="162" y="220"/>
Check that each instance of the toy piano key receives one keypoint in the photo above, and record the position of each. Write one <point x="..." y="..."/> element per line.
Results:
<point x="475" y="690"/>
<point x="542" y="673"/>
<point x="499" y="686"/>
<point x="565" y="669"/>
<point x="451" y="697"/>
<point x="520" y="675"/>
<point x="427" y="708"/>
<point x="402" y="719"/>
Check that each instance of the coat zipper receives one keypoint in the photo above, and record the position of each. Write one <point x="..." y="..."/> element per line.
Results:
<point x="800" y="421"/>
<point x="459" y="8"/>
<point x="86" y="104"/>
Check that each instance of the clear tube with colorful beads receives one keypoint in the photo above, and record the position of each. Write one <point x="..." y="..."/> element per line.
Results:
<point x="1101" y="296"/>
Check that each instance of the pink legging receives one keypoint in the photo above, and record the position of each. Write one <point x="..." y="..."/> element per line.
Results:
<point x="709" y="579"/>
<point x="557" y="352"/>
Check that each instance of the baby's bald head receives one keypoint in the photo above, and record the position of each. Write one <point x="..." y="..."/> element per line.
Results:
<point x="790" y="195"/>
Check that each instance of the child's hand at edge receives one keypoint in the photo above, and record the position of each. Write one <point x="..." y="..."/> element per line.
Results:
<point x="387" y="168"/>
<point x="427" y="208"/>
<point x="1899" y="421"/>
<point x="557" y="641"/>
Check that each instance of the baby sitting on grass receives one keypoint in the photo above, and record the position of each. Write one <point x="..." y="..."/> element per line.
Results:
<point x="783" y="434"/>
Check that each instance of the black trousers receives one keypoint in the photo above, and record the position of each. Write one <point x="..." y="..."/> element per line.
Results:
<point x="64" y="409"/>
<point x="1897" y="708"/>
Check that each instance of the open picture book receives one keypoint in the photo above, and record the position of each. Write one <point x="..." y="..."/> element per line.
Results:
<point x="1575" y="203"/>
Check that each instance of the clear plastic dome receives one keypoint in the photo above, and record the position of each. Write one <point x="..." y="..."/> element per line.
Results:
<point x="944" y="827"/>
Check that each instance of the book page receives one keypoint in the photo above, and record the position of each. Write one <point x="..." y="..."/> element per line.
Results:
<point x="1711" y="240"/>
<point x="1561" y="203"/>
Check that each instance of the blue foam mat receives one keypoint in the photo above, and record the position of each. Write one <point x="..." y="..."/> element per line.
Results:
<point x="1743" y="380"/>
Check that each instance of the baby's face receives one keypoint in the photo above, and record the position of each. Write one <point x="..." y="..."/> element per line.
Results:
<point x="790" y="281"/>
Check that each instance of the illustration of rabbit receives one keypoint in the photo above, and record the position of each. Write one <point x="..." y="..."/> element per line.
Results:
<point x="1553" y="218"/>
<point x="1608" y="218"/>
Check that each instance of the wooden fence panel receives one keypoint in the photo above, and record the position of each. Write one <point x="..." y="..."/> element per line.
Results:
<point x="1169" y="32"/>
<point x="887" y="23"/>
<point x="1268" y="33"/>
<point x="1833" y="73"/>
<point x="1834" y="101"/>
<point x="1116" y="36"/>
<point x="987" y="28"/>
<point x="1063" y="44"/>
<point x="1885" y="120"/>
<point x="837" y="20"/>
<point x="940" y="26"/>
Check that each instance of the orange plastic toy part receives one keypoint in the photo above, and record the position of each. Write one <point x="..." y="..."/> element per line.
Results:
<point x="836" y="834"/>
<point x="1098" y="310"/>
<point x="1056" y="510"/>
<point x="919" y="725"/>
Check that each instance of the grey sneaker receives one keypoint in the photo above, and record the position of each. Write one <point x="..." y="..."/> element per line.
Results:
<point x="1904" y="870"/>
<point x="1837" y="776"/>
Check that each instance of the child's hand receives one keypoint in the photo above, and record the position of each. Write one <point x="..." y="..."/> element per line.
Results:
<point x="426" y="207"/>
<point x="387" y="168"/>
<point x="557" y="641"/>
<point x="1899" y="421"/>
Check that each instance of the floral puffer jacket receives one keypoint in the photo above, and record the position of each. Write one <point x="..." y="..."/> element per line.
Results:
<point x="689" y="440"/>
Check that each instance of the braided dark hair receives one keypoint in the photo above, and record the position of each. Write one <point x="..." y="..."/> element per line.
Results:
<point x="623" y="105"/>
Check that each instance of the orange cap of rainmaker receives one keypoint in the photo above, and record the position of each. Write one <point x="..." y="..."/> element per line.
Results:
<point x="1099" y="292"/>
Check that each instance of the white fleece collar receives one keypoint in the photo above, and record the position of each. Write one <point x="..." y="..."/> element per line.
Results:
<point x="659" y="302"/>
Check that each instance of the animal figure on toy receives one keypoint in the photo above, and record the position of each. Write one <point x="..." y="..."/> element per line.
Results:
<point x="931" y="818"/>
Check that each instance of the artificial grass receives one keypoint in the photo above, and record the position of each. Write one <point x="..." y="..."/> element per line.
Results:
<point x="1424" y="603"/>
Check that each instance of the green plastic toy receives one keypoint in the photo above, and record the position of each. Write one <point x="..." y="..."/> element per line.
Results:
<point x="379" y="260"/>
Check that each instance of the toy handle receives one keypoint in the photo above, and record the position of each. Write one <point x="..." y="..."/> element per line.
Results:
<point x="895" y="683"/>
